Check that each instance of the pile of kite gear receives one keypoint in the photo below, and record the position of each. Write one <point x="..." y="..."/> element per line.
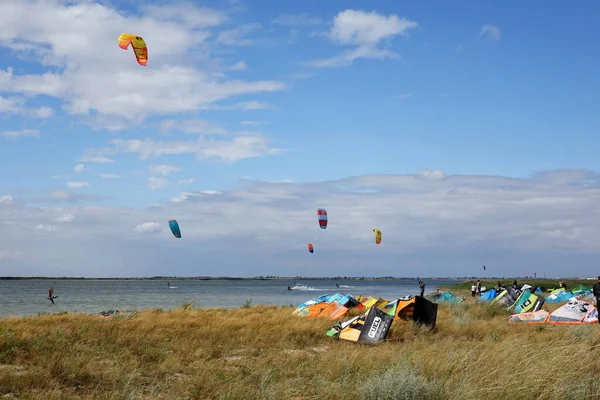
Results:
<point x="116" y="313"/>
<point x="527" y="303"/>
<point x="574" y="312"/>
<point x="445" y="297"/>
<point x="376" y="318"/>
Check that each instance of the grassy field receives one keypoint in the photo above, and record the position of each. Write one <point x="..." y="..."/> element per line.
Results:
<point x="267" y="353"/>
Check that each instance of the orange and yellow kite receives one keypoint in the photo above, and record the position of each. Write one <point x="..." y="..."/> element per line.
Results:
<point x="137" y="44"/>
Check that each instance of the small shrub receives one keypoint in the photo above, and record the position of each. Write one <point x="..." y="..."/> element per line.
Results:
<point x="400" y="382"/>
<point x="495" y="336"/>
<point x="582" y="332"/>
<point x="247" y="303"/>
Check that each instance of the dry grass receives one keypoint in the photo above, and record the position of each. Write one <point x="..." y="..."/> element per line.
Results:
<point x="267" y="353"/>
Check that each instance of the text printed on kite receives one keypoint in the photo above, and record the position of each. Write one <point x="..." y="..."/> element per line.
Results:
<point x="175" y="228"/>
<point x="377" y="235"/>
<point x="322" y="215"/>
<point x="137" y="44"/>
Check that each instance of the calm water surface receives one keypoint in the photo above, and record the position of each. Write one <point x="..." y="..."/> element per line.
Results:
<point x="29" y="297"/>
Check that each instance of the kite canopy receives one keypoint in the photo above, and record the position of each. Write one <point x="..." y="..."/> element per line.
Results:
<point x="507" y="298"/>
<point x="137" y="44"/>
<point x="528" y="302"/>
<point x="175" y="228"/>
<point x="310" y="248"/>
<point x="574" y="312"/>
<point x="377" y="235"/>
<point x="370" y="328"/>
<point x="322" y="215"/>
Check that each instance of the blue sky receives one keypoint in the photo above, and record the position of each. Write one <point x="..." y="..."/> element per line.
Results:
<point x="253" y="109"/>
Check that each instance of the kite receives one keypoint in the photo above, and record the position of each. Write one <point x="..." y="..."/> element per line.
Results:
<point x="322" y="215"/>
<point x="175" y="228"/>
<point x="311" y="248"/>
<point x="377" y="235"/>
<point x="137" y="44"/>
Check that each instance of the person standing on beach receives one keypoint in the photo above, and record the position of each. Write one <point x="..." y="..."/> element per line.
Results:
<point x="596" y="291"/>
<point x="422" y="287"/>
<point x="478" y="287"/>
<point x="473" y="290"/>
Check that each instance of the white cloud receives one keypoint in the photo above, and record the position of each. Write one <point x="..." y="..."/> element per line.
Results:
<point x="109" y="176"/>
<point x="490" y="31"/>
<point x="236" y="36"/>
<point x="196" y="194"/>
<point x="192" y="126"/>
<point x="239" y="66"/>
<point x="21" y="133"/>
<point x="365" y="31"/>
<point x="147" y="227"/>
<point x="238" y="148"/>
<point x="157" y="183"/>
<point x="243" y="105"/>
<point x="77" y="184"/>
<point x="65" y="218"/>
<point x="44" y="112"/>
<point x="431" y="174"/>
<point x="79" y="168"/>
<point x="297" y="20"/>
<point x="253" y="123"/>
<point x="106" y="80"/>
<point x="360" y="28"/>
<point x="97" y="159"/>
<point x="439" y="224"/>
<point x="186" y="13"/>
<point x="60" y="195"/>
<point x="47" y="228"/>
<point x="7" y="199"/>
<point x="252" y="105"/>
<point x="163" y="169"/>
<point x="11" y="105"/>
<point x="186" y="181"/>
<point x="16" y="105"/>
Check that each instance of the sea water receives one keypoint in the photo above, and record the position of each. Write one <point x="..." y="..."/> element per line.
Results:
<point x="30" y="296"/>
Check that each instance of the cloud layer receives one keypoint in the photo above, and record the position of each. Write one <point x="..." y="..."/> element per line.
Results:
<point x="432" y="224"/>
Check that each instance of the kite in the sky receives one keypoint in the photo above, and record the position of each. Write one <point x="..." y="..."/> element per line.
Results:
<point x="311" y="248"/>
<point x="484" y="267"/>
<point x="377" y="235"/>
<point x="137" y="44"/>
<point x="175" y="228"/>
<point x="322" y="214"/>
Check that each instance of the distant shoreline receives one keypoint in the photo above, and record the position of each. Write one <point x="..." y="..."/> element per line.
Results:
<point x="280" y="278"/>
<point x="222" y="278"/>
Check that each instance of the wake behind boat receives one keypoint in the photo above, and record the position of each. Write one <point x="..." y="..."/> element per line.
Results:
<point x="301" y="287"/>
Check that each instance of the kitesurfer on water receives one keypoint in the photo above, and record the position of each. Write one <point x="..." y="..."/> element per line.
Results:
<point x="596" y="291"/>
<point x="50" y="295"/>
<point x="422" y="287"/>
